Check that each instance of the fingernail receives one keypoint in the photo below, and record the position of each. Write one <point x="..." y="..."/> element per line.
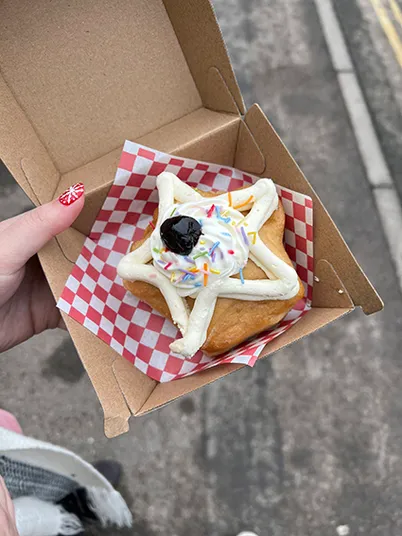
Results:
<point x="72" y="194"/>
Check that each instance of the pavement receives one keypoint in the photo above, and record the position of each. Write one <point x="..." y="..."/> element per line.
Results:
<point x="309" y="442"/>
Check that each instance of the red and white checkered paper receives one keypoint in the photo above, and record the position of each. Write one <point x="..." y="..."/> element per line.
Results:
<point x="94" y="294"/>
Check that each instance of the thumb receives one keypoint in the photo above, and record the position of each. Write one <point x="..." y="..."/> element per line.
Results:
<point x="23" y="236"/>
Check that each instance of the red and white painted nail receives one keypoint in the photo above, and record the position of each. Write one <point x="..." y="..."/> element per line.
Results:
<point x="72" y="194"/>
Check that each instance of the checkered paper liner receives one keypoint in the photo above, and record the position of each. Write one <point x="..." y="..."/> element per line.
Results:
<point x="94" y="294"/>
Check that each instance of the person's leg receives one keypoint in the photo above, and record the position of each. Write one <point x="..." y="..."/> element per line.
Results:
<point x="7" y="420"/>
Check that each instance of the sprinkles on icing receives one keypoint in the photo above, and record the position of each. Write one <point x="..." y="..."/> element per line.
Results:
<point x="219" y="216"/>
<point x="200" y="255"/>
<point x="205" y="274"/>
<point x="243" y="232"/>
<point x="223" y="254"/>
<point x="210" y="211"/>
<point x="247" y="202"/>
<point x="213" y="248"/>
<point x="254" y="235"/>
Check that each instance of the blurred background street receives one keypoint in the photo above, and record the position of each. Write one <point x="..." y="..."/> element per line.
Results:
<point x="311" y="439"/>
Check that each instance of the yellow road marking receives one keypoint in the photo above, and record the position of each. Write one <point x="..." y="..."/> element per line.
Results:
<point x="396" y="10"/>
<point x="389" y="29"/>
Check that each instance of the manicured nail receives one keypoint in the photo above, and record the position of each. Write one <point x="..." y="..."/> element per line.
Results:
<point x="72" y="194"/>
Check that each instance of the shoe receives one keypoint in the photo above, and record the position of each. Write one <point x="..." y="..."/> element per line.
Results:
<point x="110" y="469"/>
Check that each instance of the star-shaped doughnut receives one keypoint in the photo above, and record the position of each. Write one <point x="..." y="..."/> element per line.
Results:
<point x="199" y="243"/>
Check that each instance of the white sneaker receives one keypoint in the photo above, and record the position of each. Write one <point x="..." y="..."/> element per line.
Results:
<point x="247" y="533"/>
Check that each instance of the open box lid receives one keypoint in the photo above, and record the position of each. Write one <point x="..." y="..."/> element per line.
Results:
<point x="76" y="80"/>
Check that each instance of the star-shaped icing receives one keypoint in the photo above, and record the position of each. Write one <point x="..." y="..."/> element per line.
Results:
<point x="229" y="238"/>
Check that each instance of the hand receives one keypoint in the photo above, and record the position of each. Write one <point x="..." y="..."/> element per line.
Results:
<point x="7" y="514"/>
<point x="27" y="306"/>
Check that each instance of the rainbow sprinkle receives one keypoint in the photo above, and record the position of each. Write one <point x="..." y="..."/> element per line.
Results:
<point x="218" y="214"/>
<point x="200" y="255"/>
<point x="243" y="232"/>
<point x="213" y="271"/>
<point x="249" y="200"/>
<point x="202" y="242"/>
<point x="197" y="285"/>
<point x="213" y="248"/>
<point x="152" y="225"/>
<point x="156" y="250"/>
<point x="205" y="274"/>
<point x="226" y="234"/>
<point x="254" y="235"/>
<point x="173" y="211"/>
<point x="168" y="265"/>
<point x="173" y="277"/>
<point x="185" y="271"/>
<point x="194" y="270"/>
<point x="189" y="259"/>
<point x="241" y="276"/>
<point x="210" y="211"/>
<point x="230" y="199"/>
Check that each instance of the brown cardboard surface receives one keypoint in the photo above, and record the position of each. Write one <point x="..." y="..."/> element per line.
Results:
<point x="77" y="79"/>
<point x="203" y="134"/>
<point x="328" y="242"/>
<point x="167" y="392"/>
<point x="19" y="142"/>
<point x="328" y="288"/>
<point x="88" y="67"/>
<point x="98" y="358"/>
<point x="248" y="155"/>
<point x="202" y="43"/>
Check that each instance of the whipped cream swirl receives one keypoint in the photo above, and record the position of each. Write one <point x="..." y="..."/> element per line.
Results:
<point x="221" y="251"/>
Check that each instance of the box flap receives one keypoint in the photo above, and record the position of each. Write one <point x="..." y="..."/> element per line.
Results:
<point x="328" y="289"/>
<point x="79" y="78"/>
<point x="203" y="134"/>
<point x="167" y="392"/>
<point x="98" y="358"/>
<point x="202" y="43"/>
<point x="22" y="151"/>
<point x="328" y="243"/>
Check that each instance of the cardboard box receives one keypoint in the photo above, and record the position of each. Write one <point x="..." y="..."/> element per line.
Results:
<point x="79" y="78"/>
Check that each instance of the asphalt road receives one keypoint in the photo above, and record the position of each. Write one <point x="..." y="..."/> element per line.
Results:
<point x="310" y="439"/>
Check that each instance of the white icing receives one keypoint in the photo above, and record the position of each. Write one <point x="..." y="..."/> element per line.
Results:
<point x="177" y="198"/>
<point x="129" y="270"/>
<point x="222" y="248"/>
